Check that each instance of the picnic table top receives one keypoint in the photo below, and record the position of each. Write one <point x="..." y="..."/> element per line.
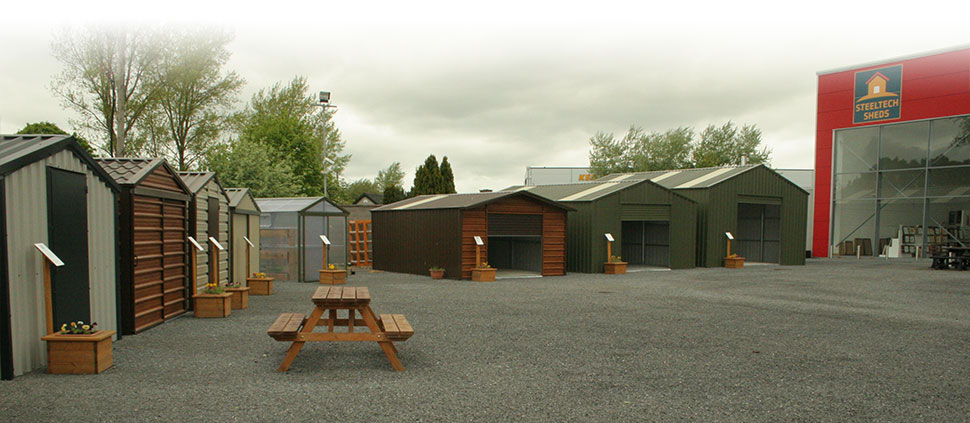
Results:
<point x="341" y="296"/>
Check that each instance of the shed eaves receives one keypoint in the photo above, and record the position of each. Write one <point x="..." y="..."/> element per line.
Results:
<point x="196" y="180"/>
<point x="128" y="171"/>
<point x="236" y="196"/>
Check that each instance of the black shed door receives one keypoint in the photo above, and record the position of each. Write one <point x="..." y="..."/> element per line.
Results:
<point x="759" y="232"/>
<point x="67" y="232"/>
<point x="213" y="231"/>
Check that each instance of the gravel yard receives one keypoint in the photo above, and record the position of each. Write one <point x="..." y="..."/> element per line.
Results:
<point x="834" y="340"/>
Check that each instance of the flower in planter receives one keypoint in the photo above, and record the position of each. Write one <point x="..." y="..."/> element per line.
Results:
<point x="331" y="267"/>
<point x="484" y="266"/>
<point x="233" y="285"/>
<point x="213" y="288"/>
<point x="616" y="259"/>
<point x="259" y="275"/>
<point x="79" y="328"/>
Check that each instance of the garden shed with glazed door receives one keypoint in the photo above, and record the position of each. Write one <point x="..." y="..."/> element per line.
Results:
<point x="522" y="232"/>
<point x="652" y="225"/>
<point x="153" y="256"/>
<point x="208" y="217"/>
<point x="290" y="229"/>
<point x="762" y="209"/>
<point x="52" y="192"/>
<point x="244" y="214"/>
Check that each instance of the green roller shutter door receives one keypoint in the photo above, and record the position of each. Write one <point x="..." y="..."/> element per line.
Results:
<point x="645" y="212"/>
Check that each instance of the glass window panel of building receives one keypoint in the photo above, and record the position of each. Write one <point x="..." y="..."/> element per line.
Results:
<point x="901" y="178"/>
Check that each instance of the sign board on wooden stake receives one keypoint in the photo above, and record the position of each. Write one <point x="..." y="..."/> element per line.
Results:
<point x="478" y="241"/>
<point x="249" y="242"/>
<point x="728" y="235"/>
<point x="216" y="242"/>
<point x="56" y="261"/>
<point x="326" y="241"/>
<point x="609" y="237"/>
<point x="196" y="244"/>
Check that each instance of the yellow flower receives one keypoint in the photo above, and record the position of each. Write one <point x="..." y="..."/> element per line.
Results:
<point x="64" y="327"/>
<point x="86" y="327"/>
<point x="332" y="267"/>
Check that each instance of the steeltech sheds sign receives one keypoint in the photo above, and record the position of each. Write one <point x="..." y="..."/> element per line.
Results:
<point x="877" y="94"/>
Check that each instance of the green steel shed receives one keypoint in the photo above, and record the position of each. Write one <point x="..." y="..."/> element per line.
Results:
<point x="762" y="209"/>
<point x="651" y="225"/>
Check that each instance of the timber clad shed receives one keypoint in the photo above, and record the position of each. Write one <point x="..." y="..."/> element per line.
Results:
<point x="290" y="229"/>
<point x="153" y="256"/>
<point x="762" y="209"/>
<point x="652" y="225"/>
<point x="520" y="230"/>
<point x="208" y="217"/>
<point x="52" y="192"/>
<point x="244" y="213"/>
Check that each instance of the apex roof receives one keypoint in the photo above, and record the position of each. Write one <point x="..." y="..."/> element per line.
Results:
<point x="461" y="201"/>
<point x="705" y="177"/>
<point x="17" y="151"/>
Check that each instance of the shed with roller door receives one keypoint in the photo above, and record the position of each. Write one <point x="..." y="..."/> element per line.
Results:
<point x="520" y="230"/>
<point x="153" y="249"/>
<point x="208" y="218"/>
<point x="52" y="192"/>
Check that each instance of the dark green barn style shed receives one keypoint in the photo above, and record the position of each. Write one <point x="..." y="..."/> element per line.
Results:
<point x="762" y="209"/>
<point x="652" y="225"/>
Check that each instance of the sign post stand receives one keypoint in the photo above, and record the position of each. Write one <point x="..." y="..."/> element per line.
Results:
<point x="50" y="259"/>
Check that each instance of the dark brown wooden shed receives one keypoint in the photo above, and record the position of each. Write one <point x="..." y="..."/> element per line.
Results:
<point x="521" y="231"/>
<point x="153" y="257"/>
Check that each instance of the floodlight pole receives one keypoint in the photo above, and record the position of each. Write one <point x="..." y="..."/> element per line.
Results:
<point x="324" y="104"/>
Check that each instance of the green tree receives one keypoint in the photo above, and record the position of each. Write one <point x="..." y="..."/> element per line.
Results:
<point x="393" y="194"/>
<point x="285" y="119"/>
<point x="357" y="188"/>
<point x="194" y="97"/>
<point x="52" y="129"/>
<point x="427" y="178"/>
<point x="392" y="176"/>
<point x="447" y="177"/>
<point x="250" y="164"/>
<point x="609" y="155"/>
<point x="660" y="151"/>
<point x="726" y="145"/>
<point x="109" y="80"/>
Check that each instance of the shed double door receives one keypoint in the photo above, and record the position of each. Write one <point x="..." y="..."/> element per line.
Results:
<point x="160" y="282"/>
<point x="646" y="242"/>
<point x="759" y="232"/>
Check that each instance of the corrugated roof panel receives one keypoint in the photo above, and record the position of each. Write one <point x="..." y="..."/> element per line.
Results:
<point x="702" y="179"/>
<point x="419" y="202"/>
<point x="589" y="191"/>
<point x="285" y="204"/>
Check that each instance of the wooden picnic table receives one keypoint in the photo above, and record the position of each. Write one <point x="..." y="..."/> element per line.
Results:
<point x="328" y="300"/>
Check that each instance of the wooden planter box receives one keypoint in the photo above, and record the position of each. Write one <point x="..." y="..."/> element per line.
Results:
<point x="260" y="286"/>
<point x="240" y="297"/>
<point x="333" y="277"/>
<point x="78" y="354"/>
<point x="615" y="268"/>
<point x="437" y="274"/>
<point x="483" y="275"/>
<point x="213" y="305"/>
<point x="734" y="262"/>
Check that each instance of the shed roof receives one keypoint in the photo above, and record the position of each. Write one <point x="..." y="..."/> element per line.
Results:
<point x="704" y="177"/>
<point x="196" y="180"/>
<point x="17" y="151"/>
<point x="461" y="201"/>
<point x="584" y="191"/>
<point x="374" y="198"/>
<point x="299" y="205"/>
<point x="236" y="195"/>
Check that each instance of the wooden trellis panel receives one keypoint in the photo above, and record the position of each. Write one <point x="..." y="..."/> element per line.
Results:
<point x="359" y="233"/>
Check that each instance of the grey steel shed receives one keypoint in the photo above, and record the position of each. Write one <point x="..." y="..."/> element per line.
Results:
<point x="652" y="225"/>
<point x="762" y="209"/>
<point x="290" y="244"/>
<point x="244" y="213"/>
<point x="208" y="217"/>
<point x="53" y="192"/>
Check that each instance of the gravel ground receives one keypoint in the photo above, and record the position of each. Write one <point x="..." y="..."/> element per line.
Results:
<point x="835" y="340"/>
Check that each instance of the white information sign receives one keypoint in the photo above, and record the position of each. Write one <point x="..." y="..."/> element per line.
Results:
<point x="728" y="235"/>
<point x="216" y="242"/>
<point x="249" y="242"/>
<point x="326" y="241"/>
<point x="56" y="261"/>
<point x="478" y="241"/>
<point x="609" y="237"/>
<point x="196" y="244"/>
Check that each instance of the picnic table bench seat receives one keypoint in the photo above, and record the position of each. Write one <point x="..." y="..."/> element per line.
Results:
<point x="286" y="326"/>
<point x="396" y="327"/>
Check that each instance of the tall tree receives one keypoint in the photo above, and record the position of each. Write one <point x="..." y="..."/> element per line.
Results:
<point x="194" y="97"/>
<point x="357" y="188"/>
<point x="427" y="178"/>
<point x="727" y="145"/>
<point x="447" y="177"/>
<point x="609" y="155"/>
<point x="247" y="163"/>
<point x="393" y="194"/>
<point x="285" y="119"/>
<point x="391" y="176"/>
<point x="52" y="129"/>
<point x="659" y="151"/>
<point x="108" y="80"/>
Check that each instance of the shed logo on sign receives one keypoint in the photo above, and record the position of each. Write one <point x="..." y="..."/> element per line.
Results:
<point x="877" y="94"/>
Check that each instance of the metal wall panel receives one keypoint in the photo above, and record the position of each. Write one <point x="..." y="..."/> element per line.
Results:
<point x="201" y="214"/>
<point x="26" y="220"/>
<point x="411" y="241"/>
<point x="660" y="212"/>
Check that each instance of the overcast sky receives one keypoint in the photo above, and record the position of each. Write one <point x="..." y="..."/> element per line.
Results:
<point x="502" y="85"/>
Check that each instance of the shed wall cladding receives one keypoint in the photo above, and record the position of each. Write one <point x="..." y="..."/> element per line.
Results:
<point x="26" y="222"/>
<point x="211" y="190"/>
<point x="411" y="241"/>
<point x="244" y="225"/>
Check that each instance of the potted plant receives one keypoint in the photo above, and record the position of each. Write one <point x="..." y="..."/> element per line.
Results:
<point x="213" y="301"/>
<point x="483" y="273"/>
<point x="78" y="348"/>
<point x="333" y="276"/>
<point x="436" y="272"/>
<point x="240" y="295"/>
<point x="615" y="266"/>
<point x="734" y="261"/>
<point x="259" y="284"/>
